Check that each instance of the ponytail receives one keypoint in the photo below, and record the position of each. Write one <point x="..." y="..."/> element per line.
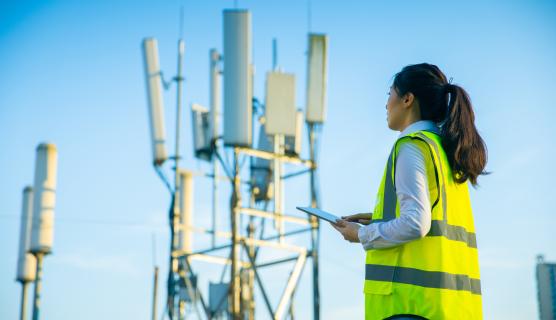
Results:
<point x="464" y="147"/>
<point x="449" y="106"/>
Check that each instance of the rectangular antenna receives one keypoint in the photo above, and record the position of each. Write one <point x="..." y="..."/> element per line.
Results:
<point x="316" y="78"/>
<point x="155" y="100"/>
<point x="238" y="93"/>
<point x="261" y="171"/>
<point x="202" y="132"/>
<point x="280" y="110"/>
<point x="293" y="143"/>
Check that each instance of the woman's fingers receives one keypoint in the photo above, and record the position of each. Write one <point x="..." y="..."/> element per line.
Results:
<point x="351" y="217"/>
<point x="347" y="229"/>
<point x="358" y="216"/>
<point x="364" y="221"/>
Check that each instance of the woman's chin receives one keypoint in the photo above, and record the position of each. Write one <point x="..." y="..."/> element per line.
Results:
<point x="390" y="125"/>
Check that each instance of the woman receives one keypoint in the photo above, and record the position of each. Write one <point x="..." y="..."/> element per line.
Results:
<point x="422" y="259"/>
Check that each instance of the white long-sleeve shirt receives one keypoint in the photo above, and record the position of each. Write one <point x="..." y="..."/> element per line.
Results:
<point x="412" y="190"/>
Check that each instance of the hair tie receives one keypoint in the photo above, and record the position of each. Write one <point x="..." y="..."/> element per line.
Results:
<point x="448" y="88"/>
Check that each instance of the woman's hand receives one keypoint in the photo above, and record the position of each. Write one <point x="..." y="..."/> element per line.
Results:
<point x="362" y="218"/>
<point x="348" y="229"/>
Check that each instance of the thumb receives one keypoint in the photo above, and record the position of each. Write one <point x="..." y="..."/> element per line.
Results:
<point x="341" y="223"/>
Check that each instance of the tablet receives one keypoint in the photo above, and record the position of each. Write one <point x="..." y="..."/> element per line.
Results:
<point x="319" y="214"/>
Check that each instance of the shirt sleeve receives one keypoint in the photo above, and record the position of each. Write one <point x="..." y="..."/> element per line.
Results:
<point x="412" y="191"/>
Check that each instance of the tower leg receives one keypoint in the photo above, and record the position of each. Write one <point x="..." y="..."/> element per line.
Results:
<point x="235" y="207"/>
<point x="315" y="227"/>
<point x="23" y="311"/>
<point x="37" y="297"/>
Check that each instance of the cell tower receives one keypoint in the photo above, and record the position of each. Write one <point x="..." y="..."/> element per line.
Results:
<point x="253" y="201"/>
<point x="37" y="225"/>
<point x="26" y="262"/>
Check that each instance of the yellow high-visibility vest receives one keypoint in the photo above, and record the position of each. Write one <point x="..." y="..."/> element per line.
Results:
<point x="437" y="276"/>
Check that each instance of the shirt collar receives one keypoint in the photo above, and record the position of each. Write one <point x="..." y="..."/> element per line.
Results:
<point x="421" y="125"/>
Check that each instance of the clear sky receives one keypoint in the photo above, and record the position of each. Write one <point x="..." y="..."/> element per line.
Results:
<point x="72" y="74"/>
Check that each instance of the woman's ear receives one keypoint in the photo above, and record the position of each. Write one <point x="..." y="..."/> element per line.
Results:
<point x="408" y="99"/>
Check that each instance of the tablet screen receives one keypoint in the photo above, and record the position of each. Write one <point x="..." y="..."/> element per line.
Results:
<point x="320" y="214"/>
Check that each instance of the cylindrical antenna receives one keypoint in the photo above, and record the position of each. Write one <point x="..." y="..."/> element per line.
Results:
<point x="186" y="209"/>
<point x="238" y="93"/>
<point x="26" y="262"/>
<point x="44" y="199"/>
<point x="155" y="99"/>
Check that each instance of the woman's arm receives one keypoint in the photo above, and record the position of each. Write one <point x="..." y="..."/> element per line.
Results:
<point x="415" y="207"/>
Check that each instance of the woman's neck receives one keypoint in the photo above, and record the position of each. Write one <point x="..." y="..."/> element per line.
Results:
<point x="409" y="122"/>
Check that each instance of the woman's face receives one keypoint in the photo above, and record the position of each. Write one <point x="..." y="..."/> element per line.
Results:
<point x="395" y="112"/>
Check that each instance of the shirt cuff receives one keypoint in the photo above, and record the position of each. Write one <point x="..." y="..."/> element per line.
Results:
<point x="364" y="235"/>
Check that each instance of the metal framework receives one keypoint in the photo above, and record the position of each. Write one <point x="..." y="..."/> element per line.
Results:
<point x="184" y="296"/>
<point x="243" y="245"/>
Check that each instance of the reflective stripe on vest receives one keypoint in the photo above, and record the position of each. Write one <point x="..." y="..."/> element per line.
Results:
<point x="437" y="276"/>
<point x="438" y="227"/>
<point x="430" y="143"/>
<point x="429" y="279"/>
<point x="390" y="199"/>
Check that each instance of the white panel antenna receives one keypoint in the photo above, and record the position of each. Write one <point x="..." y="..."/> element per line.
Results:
<point x="261" y="171"/>
<point x="155" y="100"/>
<point x="26" y="262"/>
<point x="316" y="78"/>
<point x="44" y="199"/>
<point x="293" y="143"/>
<point x="280" y="110"/>
<point x="202" y="132"/>
<point x="238" y="93"/>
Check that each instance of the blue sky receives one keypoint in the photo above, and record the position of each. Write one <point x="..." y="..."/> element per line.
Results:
<point x="72" y="74"/>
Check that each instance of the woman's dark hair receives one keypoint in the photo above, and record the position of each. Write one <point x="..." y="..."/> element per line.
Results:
<point x="449" y="106"/>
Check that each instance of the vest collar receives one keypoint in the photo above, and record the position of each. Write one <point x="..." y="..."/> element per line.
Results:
<point x="422" y="125"/>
